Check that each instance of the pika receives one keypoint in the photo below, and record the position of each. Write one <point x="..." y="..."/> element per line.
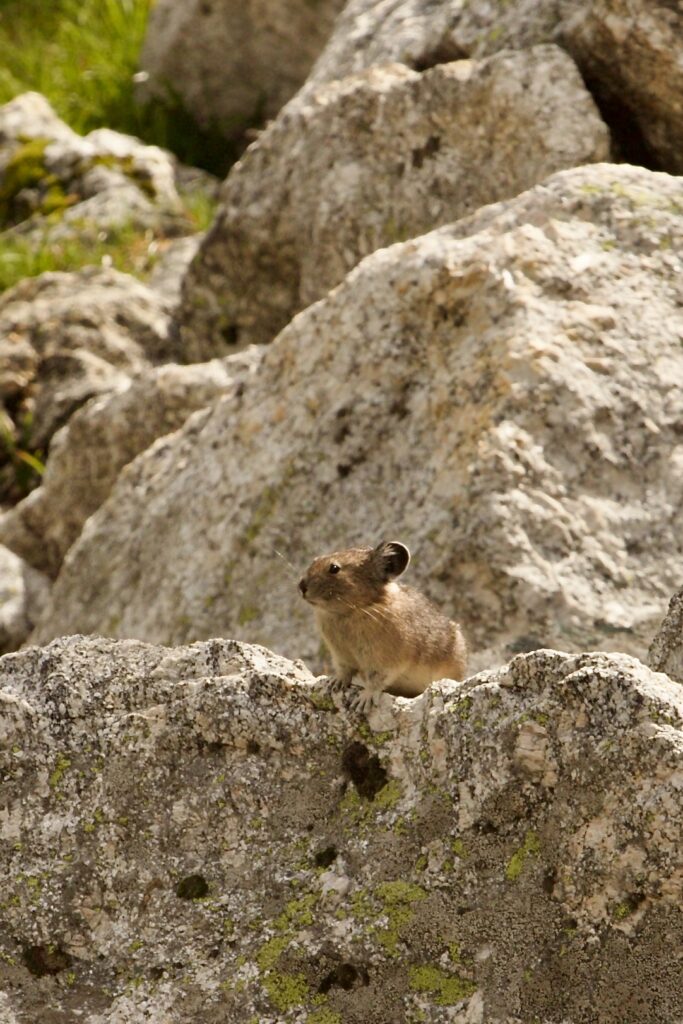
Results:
<point x="388" y="634"/>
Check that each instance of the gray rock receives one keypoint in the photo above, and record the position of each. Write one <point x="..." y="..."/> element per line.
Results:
<point x="102" y="437"/>
<point x="232" y="64"/>
<point x="199" y="834"/>
<point x="23" y="595"/>
<point x="67" y="337"/>
<point x="370" y="161"/>
<point x="666" y="650"/>
<point x="629" y="51"/>
<point x="503" y="395"/>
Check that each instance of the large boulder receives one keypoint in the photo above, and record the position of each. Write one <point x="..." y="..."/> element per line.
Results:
<point x="503" y="395"/>
<point x="101" y="437"/>
<point x="666" y="650"/>
<point x="376" y="159"/>
<point x="230" y="64"/>
<point x="630" y="53"/>
<point x="65" y="338"/>
<point x="199" y="834"/>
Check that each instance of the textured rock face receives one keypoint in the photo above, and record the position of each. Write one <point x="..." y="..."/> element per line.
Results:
<point x="502" y="395"/>
<point x="666" y="651"/>
<point x="67" y="337"/>
<point x="23" y="593"/>
<point x="630" y="51"/>
<point x="105" y="179"/>
<point x="370" y="161"/>
<point x="87" y="454"/>
<point x="233" y="63"/>
<point x="633" y="53"/>
<point x="195" y="834"/>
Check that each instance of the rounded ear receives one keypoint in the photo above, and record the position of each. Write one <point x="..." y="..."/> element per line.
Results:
<point x="393" y="558"/>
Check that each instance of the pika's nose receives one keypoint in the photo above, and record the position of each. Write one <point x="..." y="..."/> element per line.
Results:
<point x="303" y="586"/>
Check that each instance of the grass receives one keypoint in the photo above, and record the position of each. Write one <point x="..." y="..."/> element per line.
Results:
<point x="82" y="55"/>
<point x="126" y="249"/>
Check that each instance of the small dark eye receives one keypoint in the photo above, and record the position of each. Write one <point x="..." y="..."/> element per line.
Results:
<point x="334" y="568"/>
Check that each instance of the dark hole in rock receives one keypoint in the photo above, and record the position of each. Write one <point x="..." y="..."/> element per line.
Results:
<point x="628" y="142"/>
<point x="157" y="972"/>
<point x="344" y="976"/>
<point x="214" y="953"/>
<point x="42" y="960"/>
<point x="422" y="153"/>
<point x="486" y="828"/>
<point x="343" y="470"/>
<point x="193" y="887"/>
<point x="310" y="827"/>
<point x="324" y="858"/>
<point x="253" y="747"/>
<point x="364" y="770"/>
<point x="443" y="53"/>
<point x="230" y="334"/>
<point x="549" y="880"/>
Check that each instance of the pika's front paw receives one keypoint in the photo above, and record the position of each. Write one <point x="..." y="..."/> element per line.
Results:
<point x="362" y="701"/>
<point x="338" y="685"/>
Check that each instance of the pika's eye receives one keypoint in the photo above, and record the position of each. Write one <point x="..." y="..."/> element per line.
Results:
<point x="334" y="568"/>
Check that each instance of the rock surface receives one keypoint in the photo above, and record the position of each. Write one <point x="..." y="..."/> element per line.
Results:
<point x="200" y="834"/>
<point x="502" y="395"/>
<point x="376" y="159"/>
<point x="67" y="337"/>
<point x="105" y="179"/>
<point x="102" y="437"/>
<point x="233" y="63"/>
<point x="629" y="51"/>
<point x="23" y="594"/>
<point x="666" y="651"/>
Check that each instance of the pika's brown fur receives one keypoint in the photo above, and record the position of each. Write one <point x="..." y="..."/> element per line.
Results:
<point x="388" y="634"/>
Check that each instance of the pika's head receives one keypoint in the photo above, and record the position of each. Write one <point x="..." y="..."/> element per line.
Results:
<point x="345" y="580"/>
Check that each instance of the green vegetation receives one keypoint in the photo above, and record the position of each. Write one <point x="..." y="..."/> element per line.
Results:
<point x="447" y="990"/>
<point x="124" y="248"/>
<point x="82" y="55"/>
<point x="530" y="848"/>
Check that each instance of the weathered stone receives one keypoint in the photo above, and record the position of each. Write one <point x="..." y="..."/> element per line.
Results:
<point x="23" y="594"/>
<point x="105" y="179"/>
<point x="631" y="54"/>
<point x="666" y="650"/>
<point x="502" y="395"/>
<point x="200" y="834"/>
<point x="67" y="337"/>
<point x="87" y="454"/>
<point x="370" y="161"/>
<point x="629" y="51"/>
<point x="232" y="63"/>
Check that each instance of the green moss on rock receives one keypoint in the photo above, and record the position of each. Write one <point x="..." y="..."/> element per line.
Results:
<point x="447" y="989"/>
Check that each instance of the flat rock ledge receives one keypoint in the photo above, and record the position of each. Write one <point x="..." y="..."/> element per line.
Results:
<point x="199" y="833"/>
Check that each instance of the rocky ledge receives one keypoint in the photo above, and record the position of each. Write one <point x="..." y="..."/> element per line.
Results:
<point x="200" y="833"/>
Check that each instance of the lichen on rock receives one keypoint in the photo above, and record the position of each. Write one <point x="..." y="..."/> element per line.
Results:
<point x="164" y="812"/>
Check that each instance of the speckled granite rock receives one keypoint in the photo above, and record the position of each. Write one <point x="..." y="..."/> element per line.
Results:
<point x="67" y="337"/>
<point x="199" y="834"/>
<point x="502" y="395"/>
<point x="629" y="51"/>
<point x="666" y="651"/>
<point x="100" y="438"/>
<point x="233" y="63"/>
<point x="104" y="179"/>
<point x="23" y="593"/>
<point x="373" y="160"/>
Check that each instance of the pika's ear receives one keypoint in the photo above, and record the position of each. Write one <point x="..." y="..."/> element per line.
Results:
<point x="393" y="558"/>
